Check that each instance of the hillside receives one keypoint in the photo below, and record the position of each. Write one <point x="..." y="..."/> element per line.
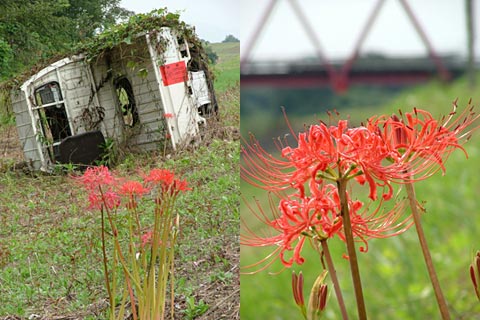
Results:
<point x="226" y="51"/>
<point x="228" y="64"/>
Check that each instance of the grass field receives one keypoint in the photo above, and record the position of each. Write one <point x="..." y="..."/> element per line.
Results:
<point x="228" y="64"/>
<point x="50" y="259"/>
<point x="395" y="281"/>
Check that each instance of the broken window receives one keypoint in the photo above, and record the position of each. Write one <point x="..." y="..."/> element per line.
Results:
<point x="126" y="101"/>
<point x="182" y="46"/>
<point x="53" y="116"/>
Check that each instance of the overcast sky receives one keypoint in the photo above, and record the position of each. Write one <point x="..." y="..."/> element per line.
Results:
<point x="338" y="24"/>
<point x="213" y="19"/>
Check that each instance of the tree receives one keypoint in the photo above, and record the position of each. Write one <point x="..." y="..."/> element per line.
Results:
<point x="31" y="30"/>
<point x="6" y="57"/>
<point x="212" y="55"/>
<point x="230" y="38"/>
<point x="91" y="16"/>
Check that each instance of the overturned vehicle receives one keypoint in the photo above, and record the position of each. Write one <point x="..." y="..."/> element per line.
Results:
<point x="148" y="88"/>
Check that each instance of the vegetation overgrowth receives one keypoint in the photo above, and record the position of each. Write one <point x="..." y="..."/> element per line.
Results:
<point x="50" y="249"/>
<point x="122" y="33"/>
<point x="31" y="31"/>
<point x="393" y="271"/>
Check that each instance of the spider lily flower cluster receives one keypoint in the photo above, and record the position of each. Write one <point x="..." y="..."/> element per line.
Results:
<point x="311" y="185"/>
<point x="147" y="258"/>
<point x="303" y="181"/>
<point x="298" y="218"/>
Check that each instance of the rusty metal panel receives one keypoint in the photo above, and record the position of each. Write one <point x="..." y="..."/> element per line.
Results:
<point x="84" y="148"/>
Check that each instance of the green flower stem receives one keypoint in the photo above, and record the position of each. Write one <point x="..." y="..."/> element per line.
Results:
<point x="128" y="275"/>
<point x="352" y="254"/>
<point x="105" y="268"/>
<point x="333" y="276"/>
<point x="162" y="237"/>
<point x="110" y="290"/>
<point x="167" y="239"/>
<point x="442" y="304"/>
<point x="134" y="265"/>
<point x="172" y="269"/>
<point x="158" y="252"/>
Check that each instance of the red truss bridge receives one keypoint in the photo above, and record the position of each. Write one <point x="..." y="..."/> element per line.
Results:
<point x="356" y="69"/>
<point x="369" y="70"/>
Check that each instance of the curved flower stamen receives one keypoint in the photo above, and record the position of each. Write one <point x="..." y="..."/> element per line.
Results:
<point x="419" y="145"/>
<point x="315" y="218"/>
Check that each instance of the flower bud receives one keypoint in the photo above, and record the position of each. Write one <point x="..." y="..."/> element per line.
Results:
<point x="475" y="273"/>
<point x="297" y="288"/>
<point x="318" y="298"/>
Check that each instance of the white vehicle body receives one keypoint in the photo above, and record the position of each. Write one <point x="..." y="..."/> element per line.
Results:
<point x="141" y="94"/>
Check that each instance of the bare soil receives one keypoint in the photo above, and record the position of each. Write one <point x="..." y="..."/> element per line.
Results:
<point x="10" y="148"/>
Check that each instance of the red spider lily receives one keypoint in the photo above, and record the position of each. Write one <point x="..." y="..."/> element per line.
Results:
<point x="175" y="187"/>
<point x="298" y="218"/>
<point x="166" y="180"/>
<point x="419" y="144"/>
<point x="338" y="151"/>
<point x="386" y="149"/>
<point x="263" y="170"/>
<point x="95" y="177"/>
<point x="147" y="239"/>
<point x="109" y="199"/>
<point x="321" y="153"/>
<point x="160" y="177"/>
<point x="99" y="183"/>
<point x="180" y="185"/>
<point x="133" y="188"/>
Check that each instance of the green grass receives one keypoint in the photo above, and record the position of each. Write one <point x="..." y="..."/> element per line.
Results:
<point x="49" y="245"/>
<point x="261" y="112"/>
<point x="395" y="281"/>
<point x="50" y="259"/>
<point x="50" y="241"/>
<point x="435" y="97"/>
<point x="226" y="51"/>
<point x="226" y="69"/>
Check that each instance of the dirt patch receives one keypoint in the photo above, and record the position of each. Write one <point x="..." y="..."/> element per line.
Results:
<point x="10" y="148"/>
<point x="224" y="297"/>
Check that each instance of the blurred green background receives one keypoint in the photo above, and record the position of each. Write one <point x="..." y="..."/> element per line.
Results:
<point x="394" y="276"/>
